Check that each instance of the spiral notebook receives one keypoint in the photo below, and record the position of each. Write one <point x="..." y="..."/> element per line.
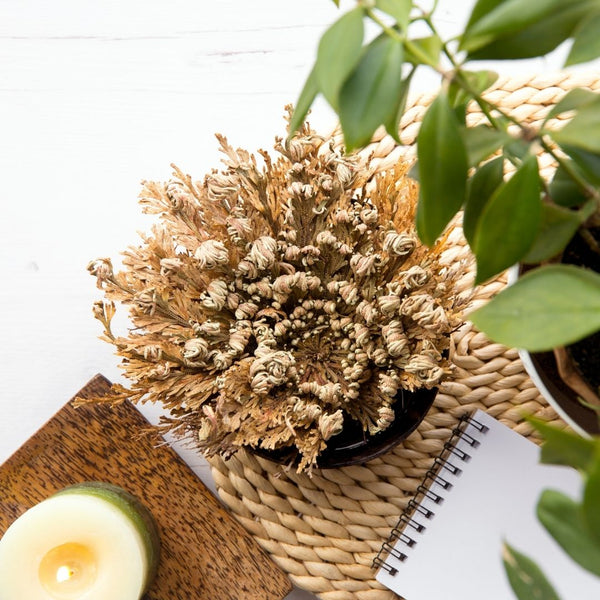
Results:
<point x="482" y="490"/>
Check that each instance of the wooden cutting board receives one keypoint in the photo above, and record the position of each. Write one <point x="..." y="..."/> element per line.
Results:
<point x="206" y="554"/>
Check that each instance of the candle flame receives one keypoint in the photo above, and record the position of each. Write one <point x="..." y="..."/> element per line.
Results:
<point x="63" y="574"/>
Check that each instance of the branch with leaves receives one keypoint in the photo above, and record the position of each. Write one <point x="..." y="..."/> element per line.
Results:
<point x="490" y="171"/>
<point x="573" y="523"/>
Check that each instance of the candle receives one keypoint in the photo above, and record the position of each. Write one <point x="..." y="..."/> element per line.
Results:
<point x="90" y="541"/>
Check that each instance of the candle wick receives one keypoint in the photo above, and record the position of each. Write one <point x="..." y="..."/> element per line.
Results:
<point x="63" y="574"/>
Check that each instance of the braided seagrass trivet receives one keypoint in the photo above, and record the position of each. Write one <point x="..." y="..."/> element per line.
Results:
<point x="325" y="530"/>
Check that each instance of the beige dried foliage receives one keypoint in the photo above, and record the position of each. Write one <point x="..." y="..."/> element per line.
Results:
<point x="271" y="301"/>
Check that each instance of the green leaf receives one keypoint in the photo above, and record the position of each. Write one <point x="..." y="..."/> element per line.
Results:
<point x="573" y="100"/>
<point x="424" y="50"/>
<point x="307" y="97"/>
<point x="557" y="227"/>
<point x="591" y="502"/>
<point x="551" y="306"/>
<point x="443" y="167"/>
<point x="525" y="577"/>
<point x="480" y="187"/>
<point x="537" y="38"/>
<point x="508" y="17"/>
<point x="563" y="519"/>
<point x="478" y="81"/>
<point x="339" y="52"/>
<point x="588" y="162"/>
<point x="509" y="222"/>
<point x="481" y="9"/>
<point x="517" y="148"/>
<point x="336" y="2"/>
<point x="582" y="131"/>
<point x="563" y="190"/>
<point x="398" y="9"/>
<point x="482" y="141"/>
<point x="370" y="96"/>
<point x="586" y="45"/>
<point x="392" y="124"/>
<point x="565" y="448"/>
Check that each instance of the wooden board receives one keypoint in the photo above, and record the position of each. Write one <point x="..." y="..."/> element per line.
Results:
<point x="206" y="554"/>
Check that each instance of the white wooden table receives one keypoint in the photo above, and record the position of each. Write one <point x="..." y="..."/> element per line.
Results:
<point x="94" y="97"/>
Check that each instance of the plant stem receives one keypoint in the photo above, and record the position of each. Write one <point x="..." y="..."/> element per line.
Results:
<point x="583" y="185"/>
<point x="408" y="44"/>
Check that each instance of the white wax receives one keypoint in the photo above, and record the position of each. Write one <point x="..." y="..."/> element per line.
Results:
<point x="105" y="542"/>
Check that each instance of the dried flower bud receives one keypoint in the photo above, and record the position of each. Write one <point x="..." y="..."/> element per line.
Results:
<point x="297" y="150"/>
<point x="414" y="278"/>
<point x="345" y="174"/>
<point x="262" y="252"/>
<point x="102" y="269"/>
<point x="363" y="266"/>
<point x="385" y="418"/>
<point x="367" y="311"/>
<point x="425" y="369"/>
<point x="330" y="425"/>
<point x="388" y="385"/>
<point x="238" y="228"/>
<point x="362" y="334"/>
<point x="209" y="328"/>
<point x="307" y="410"/>
<point x="279" y="329"/>
<point x="146" y="300"/>
<point x="216" y="295"/>
<point x="153" y="353"/>
<point x="221" y="360"/>
<point x="295" y="189"/>
<point x="211" y="254"/>
<point x="380" y="357"/>
<point x="330" y="307"/>
<point x="326" y="183"/>
<point x="161" y="371"/>
<point x="233" y="301"/>
<point x="389" y="304"/>
<point x="369" y="215"/>
<point x="425" y="311"/>
<point x="326" y="238"/>
<point x="401" y="244"/>
<point x="270" y="370"/>
<point x="395" y="339"/>
<point x="246" y="268"/>
<point x="341" y="217"/>
<point x="348" y="292"/>
<point x="239" y="338"/>
<point x="195" y="348"/>
<point x="246" y="310"/>
<point x="170" y="265"/>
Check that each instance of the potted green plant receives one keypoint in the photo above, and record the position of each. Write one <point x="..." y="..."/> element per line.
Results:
<point x="490" y="171"/>
<point x="511" y="214"/>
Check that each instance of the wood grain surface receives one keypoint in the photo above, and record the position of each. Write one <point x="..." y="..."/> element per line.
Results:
<point x="205" y="553"/>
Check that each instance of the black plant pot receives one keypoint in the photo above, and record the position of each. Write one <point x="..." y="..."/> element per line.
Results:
<point x="583" y="357"/>
<point x="541" y="367"/>
<point x="354" y="446"/>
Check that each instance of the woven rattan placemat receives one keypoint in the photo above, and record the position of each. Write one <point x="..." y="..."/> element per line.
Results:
<point x="325" y="530"/>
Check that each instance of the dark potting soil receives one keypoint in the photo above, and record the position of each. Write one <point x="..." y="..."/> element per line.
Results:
<point x="586" y="353"/>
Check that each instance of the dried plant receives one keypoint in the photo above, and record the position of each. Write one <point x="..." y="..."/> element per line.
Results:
<point x="271" y="301"/>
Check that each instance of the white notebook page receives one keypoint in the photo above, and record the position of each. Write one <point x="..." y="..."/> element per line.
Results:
<point x="458" y="556"/>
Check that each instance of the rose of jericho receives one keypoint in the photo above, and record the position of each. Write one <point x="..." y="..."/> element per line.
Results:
<point x="276" y="297"/>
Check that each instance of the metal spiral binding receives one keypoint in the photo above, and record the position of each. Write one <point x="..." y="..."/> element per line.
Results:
<point x="444" y="467"/>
